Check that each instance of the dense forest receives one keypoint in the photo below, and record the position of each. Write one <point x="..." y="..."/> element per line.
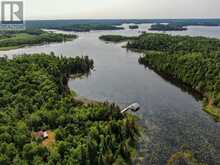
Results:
<point x="167" y="27"/>
<point x="197" y="70"/>
<point x="194" y="61"/>
<point x="16" y="39"/>
<point x="35" y="99"/>
<point x="174" y="44"/>
<point x="88" y="27"/>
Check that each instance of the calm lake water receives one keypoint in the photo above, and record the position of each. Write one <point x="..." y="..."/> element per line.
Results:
<point x="173" y="118"/>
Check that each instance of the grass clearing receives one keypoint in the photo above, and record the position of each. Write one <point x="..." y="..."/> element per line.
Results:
<point x="20" y="39"/>
<point x="50" y="140"/>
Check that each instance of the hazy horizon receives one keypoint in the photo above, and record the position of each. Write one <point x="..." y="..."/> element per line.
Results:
<point x="119" y="19"/>
<point x="121" y="9"/>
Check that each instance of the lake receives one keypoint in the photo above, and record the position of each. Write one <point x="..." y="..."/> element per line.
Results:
<point x="172" y="117"/>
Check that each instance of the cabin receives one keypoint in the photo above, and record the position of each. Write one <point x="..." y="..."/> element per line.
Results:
<point x="40" y="134"/>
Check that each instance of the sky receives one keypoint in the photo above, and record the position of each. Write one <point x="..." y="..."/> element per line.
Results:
<point x="121" y="9"/>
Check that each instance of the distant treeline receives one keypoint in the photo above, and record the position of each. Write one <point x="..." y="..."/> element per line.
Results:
<point x="88" y="27"/>
<point x="59" y="23"/>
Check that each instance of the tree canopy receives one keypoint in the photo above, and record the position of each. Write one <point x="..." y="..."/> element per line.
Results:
<point x="34" y="96"/>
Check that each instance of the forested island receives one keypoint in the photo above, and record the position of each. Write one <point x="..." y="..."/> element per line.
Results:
<point x="42" y="123"/>
<point x="17" y="39"/>
<point x="115" y="38"/>
<point x="167" y="27"/>
<point x="88" y="27"/>
<point x="133" y="27"/>
<point x="194" y="61"/>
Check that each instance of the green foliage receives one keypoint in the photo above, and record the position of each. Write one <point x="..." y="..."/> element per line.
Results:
<point x="30" y="37"/>
<point x="198" y="70"/>
<point x="115" y="38"/>
<point x="34" y="96"/>
<point x="195" y="61"/>
<point x="173" y="44"/>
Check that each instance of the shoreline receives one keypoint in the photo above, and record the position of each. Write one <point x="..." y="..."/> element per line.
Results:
<point x="26" y="39"/>
<point x="81" y="99"/>
<point x="2" y="49"/>
<point x="212" y="110"/>
<point x="208" y="106"/>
